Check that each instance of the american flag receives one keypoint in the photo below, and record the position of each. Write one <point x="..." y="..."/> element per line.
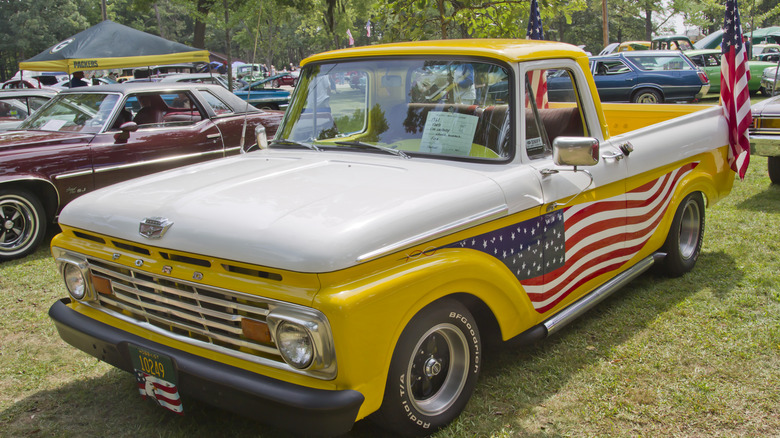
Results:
<point x="555" y="254"/>
<point x="734" y="93"/>
<point x="538" y="78"/>
<point x="368" y="28"/>
<point x="351" y="40"/>
<point x="163" y="392"/>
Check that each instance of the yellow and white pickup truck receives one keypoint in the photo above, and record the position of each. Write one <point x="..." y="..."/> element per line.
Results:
<point x="418" y="201"/>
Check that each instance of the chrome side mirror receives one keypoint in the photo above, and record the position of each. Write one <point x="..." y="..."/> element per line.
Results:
<point x="261" y="140"/>
<point x="576" y="151"/>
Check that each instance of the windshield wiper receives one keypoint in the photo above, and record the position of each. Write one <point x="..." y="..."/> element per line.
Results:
<point x="286" y="142"/>
<point x="374" y="146"/>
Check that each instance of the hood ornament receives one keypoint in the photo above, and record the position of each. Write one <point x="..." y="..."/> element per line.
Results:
<point x="154" y="227"/>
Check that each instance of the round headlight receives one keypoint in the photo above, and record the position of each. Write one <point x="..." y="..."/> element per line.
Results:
<point x="294" y="344"/>
<point x="74" y="281"/>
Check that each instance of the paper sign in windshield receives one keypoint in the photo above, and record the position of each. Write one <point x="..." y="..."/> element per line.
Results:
<point x="448" y="133"/>
<point x="53" y="125"/>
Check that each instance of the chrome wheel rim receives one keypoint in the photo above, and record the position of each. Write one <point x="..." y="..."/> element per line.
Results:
<point x="17" y="222"/>
<point x="690" y="229"/>
<point x="438" y="369"/>
<point x="647" y="98"/>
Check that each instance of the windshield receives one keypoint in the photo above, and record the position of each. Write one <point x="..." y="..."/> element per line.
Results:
<point x="444" y="108"/>
<point x="85" y="113"/>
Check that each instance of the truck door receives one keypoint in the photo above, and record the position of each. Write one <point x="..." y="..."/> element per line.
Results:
<point x="583" y="220"/>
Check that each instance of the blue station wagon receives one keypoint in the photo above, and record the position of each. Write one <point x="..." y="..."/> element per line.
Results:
<point x="649" y="76"/>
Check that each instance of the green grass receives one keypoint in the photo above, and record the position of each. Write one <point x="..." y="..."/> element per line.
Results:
<point x="697" y="356"/>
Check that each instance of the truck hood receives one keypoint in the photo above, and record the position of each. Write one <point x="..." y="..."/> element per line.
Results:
<point x="12" y="139"/>
<point x="303" y="211"/>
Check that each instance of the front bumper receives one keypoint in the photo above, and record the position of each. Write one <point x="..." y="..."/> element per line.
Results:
<point x="302" y="410"/>
<point x="765" y="145"/>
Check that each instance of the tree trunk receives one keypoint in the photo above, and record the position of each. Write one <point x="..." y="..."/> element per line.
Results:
<point x="199" y="36"/>
<point x="648" y="23"/>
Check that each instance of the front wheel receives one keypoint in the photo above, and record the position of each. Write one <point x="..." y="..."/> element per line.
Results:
<point x="647" y="96"/>
<point x="683" y="244"/>
<point x="274" y="84"/>
<point x="433" y="370"/>
<point x="22" y="223"/>
<point x="774" y="169"/>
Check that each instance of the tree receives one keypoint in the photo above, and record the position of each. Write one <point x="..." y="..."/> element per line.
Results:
<point x="31" y="26"/>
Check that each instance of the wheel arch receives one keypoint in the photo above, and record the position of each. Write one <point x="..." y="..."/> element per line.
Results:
<point x="43" y="189"/>
<point x="483" y="284"/>
<point x="645" y="86"/>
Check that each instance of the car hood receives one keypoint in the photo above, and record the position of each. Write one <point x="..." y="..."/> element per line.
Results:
<point x="301" y="211"/>
<point x="766" y="107"/>
<point x="11" y="139"/>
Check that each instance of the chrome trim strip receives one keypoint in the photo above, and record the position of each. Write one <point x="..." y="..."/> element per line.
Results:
<point x="159" y="160"/>
<point x="263" y="348"/>
<point x="239" y="295"/>
<point x="73" y="174"/>
<point x="459" y="225"/>
<point x="569" y="314"/>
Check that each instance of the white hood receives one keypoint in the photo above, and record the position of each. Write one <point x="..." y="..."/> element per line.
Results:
<point x="295" y="210"/>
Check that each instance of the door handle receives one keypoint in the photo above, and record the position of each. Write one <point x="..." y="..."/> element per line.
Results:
<point x="616" y="156"/>
<point x="211" y="136"/>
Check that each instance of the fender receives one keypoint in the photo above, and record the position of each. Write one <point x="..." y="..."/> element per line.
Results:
<point x="40" y="184"/>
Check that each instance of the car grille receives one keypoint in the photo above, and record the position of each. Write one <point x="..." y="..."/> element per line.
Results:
<point x="194" y="313"/>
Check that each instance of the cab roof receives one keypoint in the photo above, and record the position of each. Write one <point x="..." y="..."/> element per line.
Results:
<point x="508" y="50"/>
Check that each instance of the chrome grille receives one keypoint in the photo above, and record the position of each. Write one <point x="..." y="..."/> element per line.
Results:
<point x="193" y="311"/>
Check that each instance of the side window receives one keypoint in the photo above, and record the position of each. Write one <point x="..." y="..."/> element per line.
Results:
<point x="552" y="109"/>
<point x="13" y="109"/>
<point x="159" y="110"/>
<point x="220" y="108"/>
<point x="611" y="67"/>
<point x="36" y="102"/>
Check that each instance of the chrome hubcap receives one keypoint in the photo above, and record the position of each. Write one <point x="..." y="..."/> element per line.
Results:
<point x="690" y="228"/>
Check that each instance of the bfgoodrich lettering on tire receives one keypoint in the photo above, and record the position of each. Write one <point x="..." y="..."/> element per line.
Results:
<point x="433" y="371"/>
<point x="683" y="244"/>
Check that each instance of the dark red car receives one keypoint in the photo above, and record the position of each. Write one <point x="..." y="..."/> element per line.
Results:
<point x="91" y="137"/>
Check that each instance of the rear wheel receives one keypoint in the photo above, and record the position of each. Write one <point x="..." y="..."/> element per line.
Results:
<point x="647" y="96"/>
<point x="433" y="370"/>
<point x="683" y="244"/>
<point x="774" y="169"/>
<point x="274" y="84"/>
<point x="22" y="223"/>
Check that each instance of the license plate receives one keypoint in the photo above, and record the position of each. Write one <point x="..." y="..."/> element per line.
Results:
<point x="156" y="377"/>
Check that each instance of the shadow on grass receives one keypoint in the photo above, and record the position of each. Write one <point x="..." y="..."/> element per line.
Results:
<point x="516" y="380"/>
<point x="767" y="201"/>
<point x="513" y="380"/>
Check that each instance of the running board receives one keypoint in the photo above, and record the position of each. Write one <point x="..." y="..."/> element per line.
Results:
<point x="569" y="314"/>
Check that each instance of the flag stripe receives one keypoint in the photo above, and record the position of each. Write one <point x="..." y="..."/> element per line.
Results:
<point x="599" y="239"/>
<point x="734" y="93"/>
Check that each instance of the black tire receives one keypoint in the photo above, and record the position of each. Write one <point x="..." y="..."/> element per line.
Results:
<point x="773" y="163"/>
<point x="22" y="223"/>
<point x="647" y="95"/>
<point x="433" y="371"/>
<point x="683" y="244"/>
<point x="274" y="84"/>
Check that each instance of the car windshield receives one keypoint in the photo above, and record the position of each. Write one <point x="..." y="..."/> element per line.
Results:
<point x="86" y="113"/>
<point x="444" y="108"/>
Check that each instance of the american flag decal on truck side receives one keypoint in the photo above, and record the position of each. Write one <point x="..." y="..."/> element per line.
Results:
<point x="556" y="253"/>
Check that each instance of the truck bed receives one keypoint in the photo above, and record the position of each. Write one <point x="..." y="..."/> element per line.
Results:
<point x="625" y="117"/>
